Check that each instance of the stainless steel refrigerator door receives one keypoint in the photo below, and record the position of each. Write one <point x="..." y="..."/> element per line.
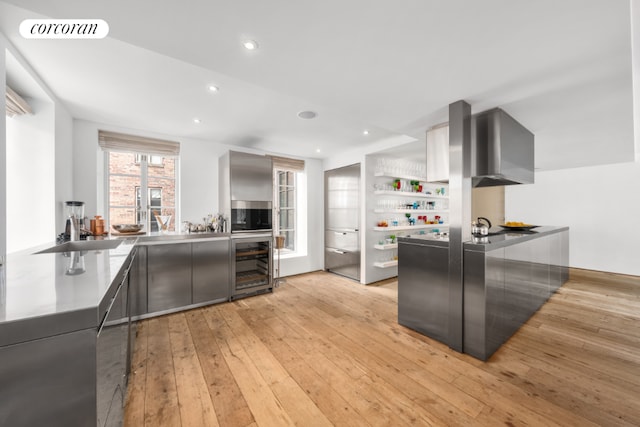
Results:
<point x="342" y="221"/>
<point x="342" y="198"/>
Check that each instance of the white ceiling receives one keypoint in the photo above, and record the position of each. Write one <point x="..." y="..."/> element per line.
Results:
<point x="561" y="68"/>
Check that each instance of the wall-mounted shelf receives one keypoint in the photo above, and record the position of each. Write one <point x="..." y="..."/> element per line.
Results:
<point x="386" y="264"/>
<point x="408" y="194"/>
<point x="409" y="177"/>
<point x="415" y="211"/>
<point x="410" y="227"/>
<point x="386" y="247"/>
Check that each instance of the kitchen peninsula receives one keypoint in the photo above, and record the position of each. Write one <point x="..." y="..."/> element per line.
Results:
<point x="507" y="277"/>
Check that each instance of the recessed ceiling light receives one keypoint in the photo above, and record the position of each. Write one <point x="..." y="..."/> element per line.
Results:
<point x="365" y="132"/>
<point x="307" y="114"/>
<point x="317" y="150"/>
<point x="197" y="121"/>
<point x="250" y="44"/>
<point x="213" y="88"/>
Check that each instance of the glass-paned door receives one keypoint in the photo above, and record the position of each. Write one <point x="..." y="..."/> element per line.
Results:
<point x="142" y="191"/>
<point x="286" y="207"/>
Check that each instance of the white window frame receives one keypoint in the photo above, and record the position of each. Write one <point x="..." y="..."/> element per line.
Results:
<point x="277" y="209"/>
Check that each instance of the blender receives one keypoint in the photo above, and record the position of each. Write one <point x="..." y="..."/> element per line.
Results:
<point x="75" y="226"/>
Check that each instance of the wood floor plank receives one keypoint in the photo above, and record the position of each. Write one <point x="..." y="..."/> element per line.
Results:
<point x="161" y="402"/>
<point x="329" y="401"/>
<point x="265" y="406"/>
<point x="196" y="407"/>
<point x="297" y="404"/>
<point x="136" y="391"/>
<point x="325" y="349"/>
<point x="228" y="402"/>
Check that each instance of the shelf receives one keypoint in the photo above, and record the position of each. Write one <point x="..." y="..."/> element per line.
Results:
<point x="410" y="227"/>
<point x="386" y="246"/>
<point x="416" y="211"/>
<point x="386" y="264"/>
<point x="252" y="253"/>
<point x="409" y="194"/>
<point x="409" y="177"/>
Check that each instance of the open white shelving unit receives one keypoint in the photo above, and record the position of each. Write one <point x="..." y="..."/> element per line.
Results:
<point x="381" y="259"/>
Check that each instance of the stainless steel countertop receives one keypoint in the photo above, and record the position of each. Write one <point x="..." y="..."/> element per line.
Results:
<point x="488" y="243"/>
<point x="38" y="298"/>
<point x="157" y="238"/>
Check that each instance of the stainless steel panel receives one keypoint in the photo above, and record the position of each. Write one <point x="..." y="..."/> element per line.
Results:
<point x="342" y="221"/>
<point x="505" y="287"/>
<point x="459" y="213"/>
<point x="342" y="198"/>
<point x="138" y="283"/>
<point x="50" y="381"/>
<point x="246" y="204"/>
<point x="346" y="240"/>
<point x="503" y="150"/>
<point x="169" y="276"/>
<point x="423" y="289"/>
<point x="342" y="262"/>
<point x="210" y="263"/>
<point x="111" y="360"/>
<point x="251" y="177"/>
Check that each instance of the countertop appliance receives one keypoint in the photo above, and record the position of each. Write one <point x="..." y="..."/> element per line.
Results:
<point x="342" y="219"/>
<point x="75" y="226"/>
<point x="502" y="151"/>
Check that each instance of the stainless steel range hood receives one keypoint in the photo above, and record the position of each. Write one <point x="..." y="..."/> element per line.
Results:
<point x="502" y="151"/>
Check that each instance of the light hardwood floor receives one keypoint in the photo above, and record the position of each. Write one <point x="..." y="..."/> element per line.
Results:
<point x="323" y="350"/>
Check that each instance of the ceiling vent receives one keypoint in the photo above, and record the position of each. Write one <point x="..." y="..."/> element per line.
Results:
<point x="16" y="106"/>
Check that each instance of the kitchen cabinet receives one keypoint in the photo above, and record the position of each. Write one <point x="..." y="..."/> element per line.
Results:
<point x="504" y="285"/>
<point x="168" y="276"/>
<point x="210" y="271"/>
<point x="172" y="275"/>
<point x="75" y="372"/>
<point x="112" y="357"/>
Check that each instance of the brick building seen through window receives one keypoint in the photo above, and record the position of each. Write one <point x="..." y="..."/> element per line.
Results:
<point x="141" y="187"/>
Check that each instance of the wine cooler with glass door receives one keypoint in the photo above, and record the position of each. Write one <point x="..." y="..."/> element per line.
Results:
<point x="251" y="264"/>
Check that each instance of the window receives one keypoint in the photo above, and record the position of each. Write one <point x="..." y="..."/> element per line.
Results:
<point x="285" y="207"/>
<point x="290" y="204"/>
<point x="154" y="197"/>
<point x="151" y="160"/>
<point x="141" y="180"/>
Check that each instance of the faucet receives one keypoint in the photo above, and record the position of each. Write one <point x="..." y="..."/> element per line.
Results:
<point x="74" y="231"/>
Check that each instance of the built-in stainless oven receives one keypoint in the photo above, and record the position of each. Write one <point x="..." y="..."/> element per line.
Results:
<point x="250" y="216"/>
<point x="251" y="264"/>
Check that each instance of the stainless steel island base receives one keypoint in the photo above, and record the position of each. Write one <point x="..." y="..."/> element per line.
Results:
<point x="507" y="278"/>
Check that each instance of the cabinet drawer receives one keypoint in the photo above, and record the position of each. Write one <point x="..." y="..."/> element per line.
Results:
<point x="347" y="240"/>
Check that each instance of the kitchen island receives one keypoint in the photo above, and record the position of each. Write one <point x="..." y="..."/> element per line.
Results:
<point x="507" y="277"/>
<point x="64" y="332"/>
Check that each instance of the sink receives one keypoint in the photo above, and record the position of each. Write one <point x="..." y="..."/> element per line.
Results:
<point x="82" y="245"/>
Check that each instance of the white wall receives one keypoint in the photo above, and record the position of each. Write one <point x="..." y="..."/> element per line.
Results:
<point x="600" y="204"/>
<point x="31" y="177"/>
<point x="31" y="185"/>
<point x="3" y="160"/>
<point x="63" y="165"/>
